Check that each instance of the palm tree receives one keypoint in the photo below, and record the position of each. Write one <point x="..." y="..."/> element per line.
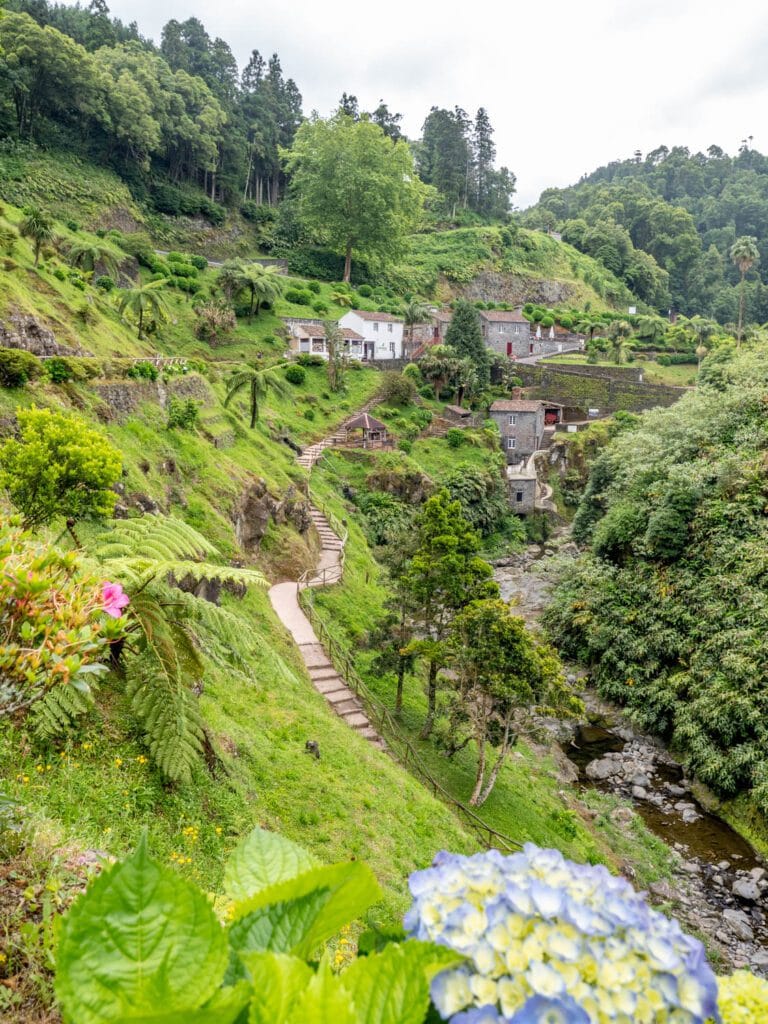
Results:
<point x="620" y="331"/>
<point x="466" y="380"/>
<point x="87" y="255"/>
<point x="262" y="283"/>
<point x="142" y="301"/>
<point x="341" y="298"/>
<point x="438" y="365"/>
<point x="414" y="313"/>
<point x="258" y="383"/>
<point x="745" y="254"/>
<point x="36" y="224"/>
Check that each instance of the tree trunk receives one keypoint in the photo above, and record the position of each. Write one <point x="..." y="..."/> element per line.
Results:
<point x="473" y="800"/>
<point x="429" y="721"/>
<point x="348" y="264"/>
<point x="741" y="308"/>
<point x="37" y="253"/>
<point x="141" y="321"/>
<point x="399" y="693"/>
<point x="488" y="788"/>
<point x="254" y="403"/>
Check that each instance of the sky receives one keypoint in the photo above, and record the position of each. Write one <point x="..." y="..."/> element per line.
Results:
<point x="568" y="85"/>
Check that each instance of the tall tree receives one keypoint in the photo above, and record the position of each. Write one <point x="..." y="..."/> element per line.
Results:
<point x="443" y="575"/>
<point x="744" y="254"/>
<point x="485" y="155"/>
<point x="445" y="155"/>
<point x="502" y="675"/>
<point x="257" y="383"/>
<point x="465" y="337"/>
<point x="356" y="188"/>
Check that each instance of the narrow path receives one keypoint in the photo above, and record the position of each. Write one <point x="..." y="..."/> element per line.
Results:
<point x="284" y="598"/>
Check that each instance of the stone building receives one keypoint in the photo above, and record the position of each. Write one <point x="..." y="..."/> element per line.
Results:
<point x="521" y="425"/>
<point x="506" y="332"/>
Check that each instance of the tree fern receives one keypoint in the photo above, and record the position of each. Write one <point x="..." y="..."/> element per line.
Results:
<point x="56" y="711"/>
<point x="174" y="628"/>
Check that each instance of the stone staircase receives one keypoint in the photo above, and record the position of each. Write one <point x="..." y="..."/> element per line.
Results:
<point x="327" y="681"/>
<point x="314" y="452"/>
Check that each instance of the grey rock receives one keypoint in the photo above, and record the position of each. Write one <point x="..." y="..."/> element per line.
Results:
<point x="689" y="816"/>
<point x="759" y="958"/>
<point x="641" y="780"/>
<point x="662" y="890"/>
<point x="746" y="889"/>
<point x="723" y="865"/>
<point x="639" y="793"/>
<point x="690" y="867"/>
<point x="758" y="874"/>
<point x="601" y="769"/>
<point x="739" y="924"/>
<point x="674" y="790"/>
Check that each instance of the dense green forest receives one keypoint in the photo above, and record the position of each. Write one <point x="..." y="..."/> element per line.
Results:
<point x="668" y="606"/>
<point x="189" y="130"/>
<point x="666" y="223"/>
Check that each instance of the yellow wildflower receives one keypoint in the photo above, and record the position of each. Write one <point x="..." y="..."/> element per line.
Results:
<point x="118" y="761"/>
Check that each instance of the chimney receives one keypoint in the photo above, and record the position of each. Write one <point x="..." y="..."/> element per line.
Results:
<point x="517" y="393"/>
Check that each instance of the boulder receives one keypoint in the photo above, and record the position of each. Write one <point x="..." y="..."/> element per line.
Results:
<point x="738" y="923"/>
<point x="603" y="768"/>
<point x="746" y="889"/>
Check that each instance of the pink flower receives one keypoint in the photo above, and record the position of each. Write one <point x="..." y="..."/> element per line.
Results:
<point x="114" y="598"/>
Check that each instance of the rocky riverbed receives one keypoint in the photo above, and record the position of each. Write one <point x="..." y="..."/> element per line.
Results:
<point x="720" y="885"/>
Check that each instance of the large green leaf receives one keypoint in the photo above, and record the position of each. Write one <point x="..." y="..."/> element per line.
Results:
<point x="278" y="983"/>
<point x="279" y="927"/>
<point x="263" y="859"/>
<point x="140" y="938"/>
<point x="392" y="987"/>
<point x="324" y="1001"/>
<point x="225" y="1008"/>
<point x="352" y="889"/>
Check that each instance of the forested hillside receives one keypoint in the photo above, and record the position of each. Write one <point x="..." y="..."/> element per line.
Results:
<point x="666" y="222"/>
<point x="668" y="606"/>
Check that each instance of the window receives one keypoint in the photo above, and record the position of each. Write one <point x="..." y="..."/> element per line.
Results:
<point x="376" y="325"/>
<point x="318" y="344"/>
<point x="513" y="420"/>
<point x="519" y="496"/>
<point x="517" y="329"/>
<point x="511" y="443"/>
<point x="392" y="347"/>
<point x="389" y="328"/>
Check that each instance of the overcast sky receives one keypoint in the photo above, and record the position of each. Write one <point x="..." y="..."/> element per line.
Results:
<point x="568" y="85"/>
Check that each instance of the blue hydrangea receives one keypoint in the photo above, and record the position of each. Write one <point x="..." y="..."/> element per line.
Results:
<point x="548" y="941"/>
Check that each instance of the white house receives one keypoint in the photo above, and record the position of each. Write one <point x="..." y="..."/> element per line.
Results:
<point x="309" y="336"/>
<point x="382" y="333"/>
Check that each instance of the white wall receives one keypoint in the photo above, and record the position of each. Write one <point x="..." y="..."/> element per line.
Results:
<point x="389" y="333"/>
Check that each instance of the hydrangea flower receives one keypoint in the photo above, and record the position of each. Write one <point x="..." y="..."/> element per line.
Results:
<point x="548" y="941"/>
<point x="114" y="599"/>
<point x="743" y="998"/>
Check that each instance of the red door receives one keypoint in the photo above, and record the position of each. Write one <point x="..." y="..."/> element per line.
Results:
<point x="509" y="348"/>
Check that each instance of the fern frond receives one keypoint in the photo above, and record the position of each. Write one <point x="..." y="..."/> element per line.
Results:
<point x="168" y="714"/>
<point x="218" y="632"/>
<point x="138" y="572"/>
<point x="56" y="711"/>
<point x="153" y="537"/>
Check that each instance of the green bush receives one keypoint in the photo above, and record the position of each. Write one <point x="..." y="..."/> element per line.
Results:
<point x="59" y="466"/>
<point x="664" y="360"/>
<point x="183" y="413"/>
<point x="104" y="282"/>
<point x="257" y="213"/>
<point x="294" y="296"/>
<point x="17" y="367"/>
<point x="365" y="290"/>
<point x="296" y="375"/>
<point x="314" y="286"/>
<point x="307" y="359"/>
<point x="309" y="414"/>
<point x="60" y="273"/>
<point x="199" y="970"/>
<point x="405" y="445"/>
<point x="60" y="369"/>
<point x="198" y="262"/>
<point x="142" y="371"/>
<point x="73" y="225"/>
<point x="320" y="307"/>
<point x="455" y="437"/>
<point x="397" y="388"/>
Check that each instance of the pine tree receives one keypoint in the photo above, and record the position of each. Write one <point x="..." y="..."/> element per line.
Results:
<point x="465" y="336"/>
<point x="485" y="154"/>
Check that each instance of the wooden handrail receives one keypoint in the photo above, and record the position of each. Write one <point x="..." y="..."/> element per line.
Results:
<point x="388" y="727"/>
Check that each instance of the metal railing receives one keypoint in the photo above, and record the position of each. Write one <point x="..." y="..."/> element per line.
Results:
<point x="333" y="573"/>
<point x="398" y="744"/>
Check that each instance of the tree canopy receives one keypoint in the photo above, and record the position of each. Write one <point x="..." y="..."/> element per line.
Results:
<point x="356" y="188"/>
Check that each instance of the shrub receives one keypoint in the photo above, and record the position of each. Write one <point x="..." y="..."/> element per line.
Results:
<point x="405" y="446"/>
<point x="664" y="360"/>
<point x="257" y="213"/>
<point x="104" y="282"/>
<point x="365" y="290"/>
<point x="314" y="286"/>
<point x="198" y="262"/>
<point x="8" y="240"/>
<point x="60" y="273"/>
<point x="320" y="307"/>
<point x="307" y="359"/>
<point x="455" y="437"/>
<point x="73" y="225"/>
<point x="427" y="391"/>
<point x="294" y="296"/>
<point x="215" y="320"/>
<point x="295" y="375"/>
<point x="183" y="413"/>
<point x="309" y="414"/>
<point x="47" y="670"/>
<point x="412" y="372"/>
<point x="397" y="388"/>
<point x="59" y="466"/>
<point x="60" y="369"/>
<point x="17" y="367"/>
<point x="142" y="371"/>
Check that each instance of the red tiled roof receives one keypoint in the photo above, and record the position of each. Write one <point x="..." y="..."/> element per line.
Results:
<point x="444" y="315"/>
<point x="351" y="335"/>
<point x="517" y="405"/>
<point x="367" y="314"/>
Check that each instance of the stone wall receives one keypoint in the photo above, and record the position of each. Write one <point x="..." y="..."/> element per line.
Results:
<point x="579" y="388"/>
<point x="121" y="398"/>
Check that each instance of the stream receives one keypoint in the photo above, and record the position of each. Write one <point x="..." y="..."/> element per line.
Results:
<point x="720" y="888"/>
